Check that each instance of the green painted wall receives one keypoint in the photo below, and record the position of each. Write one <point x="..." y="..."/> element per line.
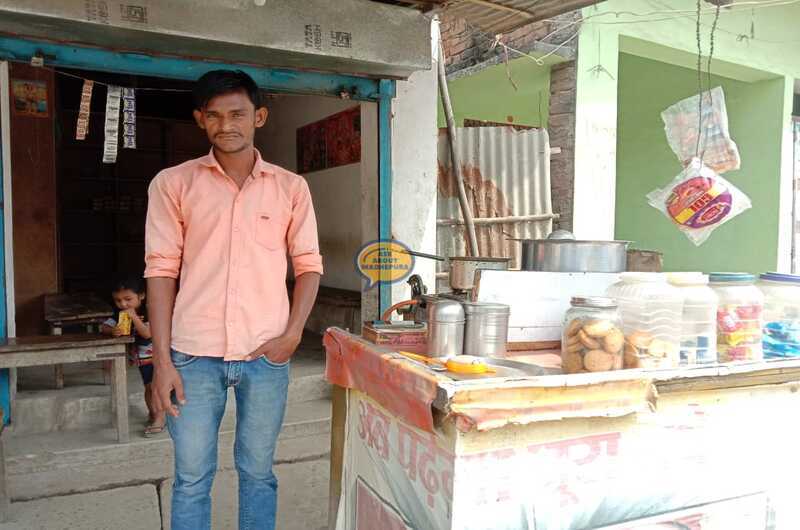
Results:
<point x="645" y="162"/>
<point x="489" y="95"/>
<point x="623" y="26"/>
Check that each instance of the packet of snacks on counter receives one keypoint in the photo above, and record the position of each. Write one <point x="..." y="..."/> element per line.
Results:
<point x="698" y="201"/>
<point x="682" y="125"/>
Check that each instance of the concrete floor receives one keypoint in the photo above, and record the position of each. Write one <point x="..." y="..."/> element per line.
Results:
<point x="73" y="475"/>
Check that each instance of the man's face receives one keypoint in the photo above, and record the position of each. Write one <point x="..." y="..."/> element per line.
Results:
<point x="230" y="121"/>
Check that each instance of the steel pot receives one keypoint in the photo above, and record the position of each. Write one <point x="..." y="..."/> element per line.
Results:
<point x="462" y="268"/>
<point x="564" y="255"/>
<point x="486" y="329"/>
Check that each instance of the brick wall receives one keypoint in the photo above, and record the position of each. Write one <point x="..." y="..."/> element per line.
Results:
<point x="561" y="126"/>
<point x="464" y="47"/>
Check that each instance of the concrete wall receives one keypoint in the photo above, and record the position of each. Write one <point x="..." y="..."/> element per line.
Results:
<point x="414" y="168"/>
<point x="519" y="95"/>
<point x="336" y="192"/>
<point x="645" y="162"/>
<point x="773" y="53"/>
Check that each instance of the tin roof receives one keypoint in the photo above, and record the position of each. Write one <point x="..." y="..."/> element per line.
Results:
<point x="498" y="16"/>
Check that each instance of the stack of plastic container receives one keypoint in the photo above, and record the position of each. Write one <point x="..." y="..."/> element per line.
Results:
<point x="699" y="319"/>
<point x="651" y="311"/>
<point x="781" y="314"/>
<point x="739" y="317"/>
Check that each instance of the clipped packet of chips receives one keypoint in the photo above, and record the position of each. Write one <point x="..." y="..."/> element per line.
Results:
<point x="698" y="201"/>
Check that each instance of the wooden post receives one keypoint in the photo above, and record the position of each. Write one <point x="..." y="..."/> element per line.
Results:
<point x="338" y="420"/>
<point x="4" y="500"/>
<point x="119" y="396"/>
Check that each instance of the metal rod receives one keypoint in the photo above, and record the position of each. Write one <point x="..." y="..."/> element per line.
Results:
<point x="512" y="219"/>
<point x="466" y="213"/>
<point x="422" y="255"/>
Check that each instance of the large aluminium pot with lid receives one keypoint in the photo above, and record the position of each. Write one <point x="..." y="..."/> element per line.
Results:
<point x="568" y="255"/>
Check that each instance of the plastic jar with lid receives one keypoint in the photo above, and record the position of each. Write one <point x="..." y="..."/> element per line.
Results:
<point x="739" y="317"/>
<point x="781" y="314"/>
<point x="699" y="317"/>
<point x="651" y="311"/>
<point x="592" y="340"/>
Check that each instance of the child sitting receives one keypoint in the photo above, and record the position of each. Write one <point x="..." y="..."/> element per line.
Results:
<point x="129" y="295"/>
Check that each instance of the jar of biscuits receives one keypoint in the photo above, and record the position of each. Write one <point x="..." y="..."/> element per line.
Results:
<point x="592" y="340"/>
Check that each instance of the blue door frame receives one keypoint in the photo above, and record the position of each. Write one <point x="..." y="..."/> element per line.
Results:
<point x="276" y="80"/>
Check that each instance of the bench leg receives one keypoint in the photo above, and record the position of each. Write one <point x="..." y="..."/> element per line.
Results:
<point x="4" y="500"/>
<point x="107" y="369"/>
<point x="59" y="376"/>
<point x="119" y="395"/>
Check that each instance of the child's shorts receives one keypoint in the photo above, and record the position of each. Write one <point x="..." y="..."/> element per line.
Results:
<point x="147" y="373"/>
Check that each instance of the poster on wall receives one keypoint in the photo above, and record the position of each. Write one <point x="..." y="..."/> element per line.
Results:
<point x="331" y="142"/>
<point x="30" y="98"/>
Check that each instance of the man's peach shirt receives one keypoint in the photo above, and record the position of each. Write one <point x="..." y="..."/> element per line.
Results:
<point x="229" y="248"/>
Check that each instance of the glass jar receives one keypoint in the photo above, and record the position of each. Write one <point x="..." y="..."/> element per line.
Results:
<point x="781" y="314"/>
<point x="651" y="311"/>
<point x="739" y="317"/>
<point x="592" y="339"/>
<point x="699" y="317"/>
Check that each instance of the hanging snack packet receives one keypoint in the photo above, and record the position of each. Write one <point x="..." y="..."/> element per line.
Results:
<point x="698" y="201"/>
<point x="715" y="147"/>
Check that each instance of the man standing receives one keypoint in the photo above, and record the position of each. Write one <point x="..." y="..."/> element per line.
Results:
<point x="224" y="224"/>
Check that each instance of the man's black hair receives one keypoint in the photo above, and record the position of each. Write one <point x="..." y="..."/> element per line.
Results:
<point x="218" y="82"/>
<point x="133" y="282"/>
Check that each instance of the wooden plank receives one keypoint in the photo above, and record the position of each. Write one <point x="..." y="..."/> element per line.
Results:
<point x="338" y="422"/>
<point x="4" y="498"/>
<point x="58" y="342"/>
<point x="62" y="356"/>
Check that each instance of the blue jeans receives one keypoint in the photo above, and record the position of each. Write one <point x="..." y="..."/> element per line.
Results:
<point x="260" y="388"/>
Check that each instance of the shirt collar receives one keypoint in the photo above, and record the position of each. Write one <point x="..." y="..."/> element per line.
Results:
<point x="260" y="169"/>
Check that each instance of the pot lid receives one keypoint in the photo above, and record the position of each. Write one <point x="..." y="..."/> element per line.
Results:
<point x="443" y="310"/>
<point x="486" y="307"/>
<point x="575" y="241"/>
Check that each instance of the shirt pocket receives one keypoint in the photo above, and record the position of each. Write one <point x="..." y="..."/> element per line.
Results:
<point x="270" y="229"/>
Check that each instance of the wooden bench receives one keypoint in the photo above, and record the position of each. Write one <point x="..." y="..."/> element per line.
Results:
<point x="50" y="350"/>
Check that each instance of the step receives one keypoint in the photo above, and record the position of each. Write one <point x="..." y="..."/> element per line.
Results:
<point x="88" y="407"/>
<point x="69" y="462"/>
<point x="302" y="497"/>
<point x="132" y="508"/>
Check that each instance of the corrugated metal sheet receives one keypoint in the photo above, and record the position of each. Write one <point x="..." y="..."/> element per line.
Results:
<point x="502" y="16"/>
<point x="507" y="173"/>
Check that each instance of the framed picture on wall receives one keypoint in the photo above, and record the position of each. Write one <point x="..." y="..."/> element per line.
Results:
<point x="331" y="142"/>
<point x="30" y="98"/>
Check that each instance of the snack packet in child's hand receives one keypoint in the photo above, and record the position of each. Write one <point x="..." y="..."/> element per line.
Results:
<point x="124" y="324"/>
<point x="698" y="201"/>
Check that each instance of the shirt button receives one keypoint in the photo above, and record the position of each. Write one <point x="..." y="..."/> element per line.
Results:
<point x="235" y="228"/>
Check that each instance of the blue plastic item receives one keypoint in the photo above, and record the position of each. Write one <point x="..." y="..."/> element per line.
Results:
<point x="778" y="277"/>
<point x="725" y="277"/>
